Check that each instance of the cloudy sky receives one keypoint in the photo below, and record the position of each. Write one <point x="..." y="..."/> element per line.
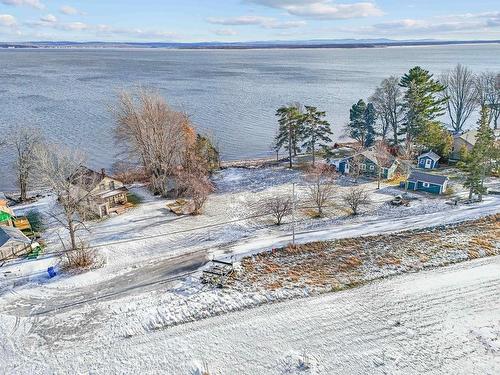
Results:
<point x="246" y="20"/>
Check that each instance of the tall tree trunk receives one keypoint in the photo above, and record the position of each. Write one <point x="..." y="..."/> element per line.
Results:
<point x="71" y="229"/>
<point x="290" y="146"/>
<point x="395" y="135"/>
<point x="23" y="187"/>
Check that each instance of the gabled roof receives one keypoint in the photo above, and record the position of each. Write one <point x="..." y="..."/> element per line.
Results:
<point x="12" y="235"/>
<point x="469" y="137"/>
<point x="372" y="156"/>
<point x="89" y="178"/>
<point x="430" y="154"/>
<point x="416" y="176"/>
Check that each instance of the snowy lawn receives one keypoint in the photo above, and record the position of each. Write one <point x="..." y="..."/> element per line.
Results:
<point x="150" y="233"/>
<point x="440" y="321"/>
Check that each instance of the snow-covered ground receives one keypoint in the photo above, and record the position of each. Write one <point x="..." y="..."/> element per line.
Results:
<point x="441" y="321"/>
<point x="148" y="250"/>
<point x="149" y="234"/>
<point x="149" y="246"/>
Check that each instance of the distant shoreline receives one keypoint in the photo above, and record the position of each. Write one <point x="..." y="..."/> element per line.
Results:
<point x="236" y="46"/>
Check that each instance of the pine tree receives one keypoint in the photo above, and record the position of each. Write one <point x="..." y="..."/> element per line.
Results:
<point x="315" y="131"/>
<point x="479" y="162"/>
<point x="361" y="126"/>
<point x="370" y="119"/>
<point x="289" y="130"/>
<point x="422" y="103"/>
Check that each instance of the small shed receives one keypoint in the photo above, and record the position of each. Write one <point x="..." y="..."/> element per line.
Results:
<point x="430" y="183"/>
<point x="13" y="243"/>
<point x="428" y="160"/>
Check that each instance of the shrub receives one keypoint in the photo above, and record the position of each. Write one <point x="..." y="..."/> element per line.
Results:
<point x="35" y="219"/>
<point x="134" y="199"/>
<point x="449" y="191"/>
<point x="82" y="259"/>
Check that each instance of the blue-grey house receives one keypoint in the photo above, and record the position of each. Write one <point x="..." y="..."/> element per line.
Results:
<point x="368" y="164"/>
<point x="342" y="165"/>
<point x="429" y="160"/>
<point x="430" y="183"/>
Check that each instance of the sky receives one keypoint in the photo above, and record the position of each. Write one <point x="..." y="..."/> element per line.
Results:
<point x="246" y="20"/>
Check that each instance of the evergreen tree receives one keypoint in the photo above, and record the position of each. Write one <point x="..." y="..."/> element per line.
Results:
<point x="289" y="130"/>
<point x="479" y="161"/>
<point x="361" y="126"/>
<point x="370" y="119"/>
<point x="422" y="102"/>
<point x="315" y="131"/>
<point x="437" y="139"/>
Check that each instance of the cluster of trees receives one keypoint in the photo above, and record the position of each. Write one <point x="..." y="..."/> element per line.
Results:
<point x="163" y="141"/>
<point x="320" y="189"/>
<point x="301" y="128"/>
<point x="407" y="110"/>
<point x="148" y="132"/>
<point x="483" y="158"/>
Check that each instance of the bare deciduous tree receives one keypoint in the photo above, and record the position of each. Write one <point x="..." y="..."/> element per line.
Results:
<point x="193" y="179"/>
<point x="151" y="132"/>
<point x="407" y="157"/>
<point x="460" y="89"/>
<point x="60" y="169"/>
<point x="383" y="157"/>
<point x="355" y="198"/>
<point x="23" y="143"/>
<point x="278" y="206"/>
<point x="321" y="188"/>
<point x="488" y="95"/>
<point x="387" y="101"/>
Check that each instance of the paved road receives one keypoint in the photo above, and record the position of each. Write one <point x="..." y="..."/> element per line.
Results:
<point x="160" y="274"/>
<point x="442" y="321"/>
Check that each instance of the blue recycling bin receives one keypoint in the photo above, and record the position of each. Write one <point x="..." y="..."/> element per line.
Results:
<point x="52" y="272"/>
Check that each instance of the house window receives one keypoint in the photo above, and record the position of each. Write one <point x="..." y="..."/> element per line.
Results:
<point x="372" y="167"/>
<point x="112" y="185"/>
<point x="363" y="167"/>
<point x="102" y="187"/>
<point x="426" y="184"/>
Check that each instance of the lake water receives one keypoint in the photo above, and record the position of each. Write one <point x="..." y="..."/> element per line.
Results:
<point x="231" y="94"/>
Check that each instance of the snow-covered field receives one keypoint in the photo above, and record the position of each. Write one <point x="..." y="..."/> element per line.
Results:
<point x="149" y="234"/>
<point x="443" y="321"/>
<point x="150" y="281"/>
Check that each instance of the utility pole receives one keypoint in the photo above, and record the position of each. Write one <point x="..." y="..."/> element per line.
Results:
<point x="293" y="214"/>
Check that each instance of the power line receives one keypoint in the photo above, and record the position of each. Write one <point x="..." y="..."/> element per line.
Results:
<point x="144" y="238"/>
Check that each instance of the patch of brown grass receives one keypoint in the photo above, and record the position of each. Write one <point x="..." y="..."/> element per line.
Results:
<point x="388" y="260"/>
<point x="81" y="259"/>
<point x="423" y="258"/>
<point x="274" y="285"/>
<point x="311" y="213"/>
<point x="349" y="263"/>
<point x="482" y="242"/>
<point x="473" y="254"/>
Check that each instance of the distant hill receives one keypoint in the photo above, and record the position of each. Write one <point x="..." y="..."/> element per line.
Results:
<point x="317" y="43"/>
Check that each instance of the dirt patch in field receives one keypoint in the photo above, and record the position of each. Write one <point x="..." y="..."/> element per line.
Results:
<point x="336" y="265"/>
